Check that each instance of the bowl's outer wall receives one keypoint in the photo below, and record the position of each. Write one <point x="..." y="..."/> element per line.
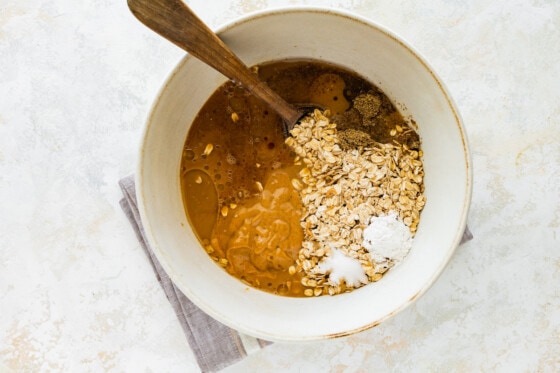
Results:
<point x="406" y="78"/>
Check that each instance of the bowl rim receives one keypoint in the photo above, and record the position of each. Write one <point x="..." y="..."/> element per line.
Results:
<point x="355" y="18"/>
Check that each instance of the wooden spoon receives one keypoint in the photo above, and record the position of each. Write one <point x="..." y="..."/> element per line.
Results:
<point x="173" y="20"/>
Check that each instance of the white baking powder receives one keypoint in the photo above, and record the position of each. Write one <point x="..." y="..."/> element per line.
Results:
<point x="387" y="238"/>
<point x="339" y="266"/>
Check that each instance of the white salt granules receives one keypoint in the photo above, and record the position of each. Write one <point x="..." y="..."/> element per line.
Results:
<point x="387" y="238"/>
<point x="340" y="266"/>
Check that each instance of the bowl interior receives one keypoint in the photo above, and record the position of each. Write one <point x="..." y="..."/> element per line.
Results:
<point x="374" y="53"/>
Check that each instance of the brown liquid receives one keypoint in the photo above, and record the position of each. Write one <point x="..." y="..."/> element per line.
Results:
<point x="239" y="197"/>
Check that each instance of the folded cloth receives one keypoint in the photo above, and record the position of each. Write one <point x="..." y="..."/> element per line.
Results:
<point x="215" y="345"/>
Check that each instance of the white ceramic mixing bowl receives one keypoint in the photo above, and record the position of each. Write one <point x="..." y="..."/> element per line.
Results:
<point x="383" y="58"/>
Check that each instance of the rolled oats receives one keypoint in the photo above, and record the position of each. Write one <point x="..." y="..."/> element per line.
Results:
<point x="341" y="190"/>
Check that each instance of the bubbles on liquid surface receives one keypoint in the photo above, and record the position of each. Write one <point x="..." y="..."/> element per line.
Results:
<point x="189" y="154"/>
<point x="230" y="159"/>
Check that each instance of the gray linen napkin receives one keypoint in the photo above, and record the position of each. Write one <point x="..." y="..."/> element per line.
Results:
<point x="215" y="345"/>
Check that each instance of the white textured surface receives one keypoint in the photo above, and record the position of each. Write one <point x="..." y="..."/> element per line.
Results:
<point x="76" y="293"/>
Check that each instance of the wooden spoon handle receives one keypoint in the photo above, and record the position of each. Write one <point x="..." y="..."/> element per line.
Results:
<point x="173" y="20"/>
